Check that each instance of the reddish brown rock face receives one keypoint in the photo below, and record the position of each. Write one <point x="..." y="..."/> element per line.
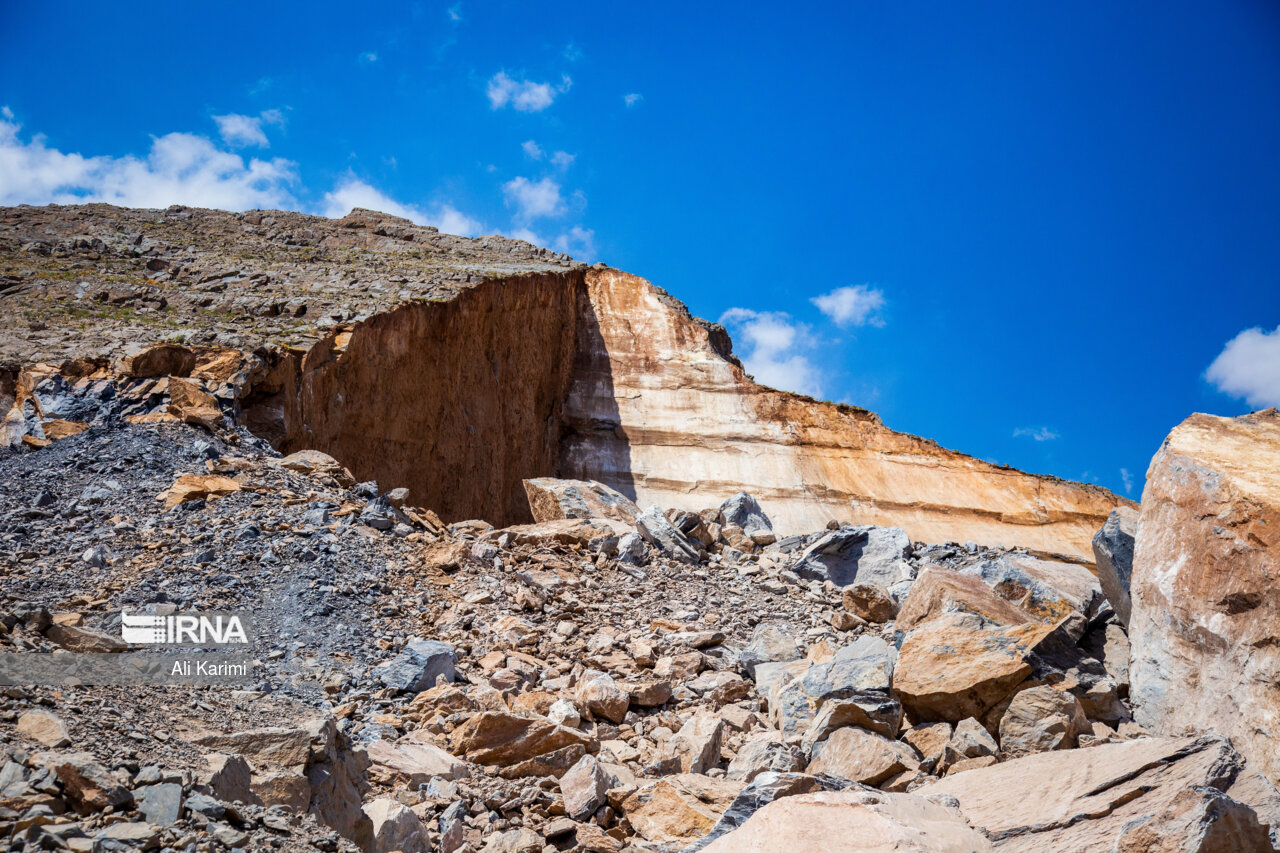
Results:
<point x="1205" y="629"/>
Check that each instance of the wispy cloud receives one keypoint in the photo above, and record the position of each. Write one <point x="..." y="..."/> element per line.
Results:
<point x="524" y="95"/>
<point x="533" y="199"/>
<point x="577" y="241"/>
<point x="563" y="159"/>
<point x="352" y="192"/>
<point x="632" y="99"/>
<point x="1127" y="479"/>
<point x="454" y="12"/>
<point x="531" y="150"/>
<point x="240" y="131"/>
<point x="1040" y="433"/>
<point x="368" y="58"/>
<point x="1249" y="367"/>
<point x="772" y="346"/>
<point x="852" y="306"/>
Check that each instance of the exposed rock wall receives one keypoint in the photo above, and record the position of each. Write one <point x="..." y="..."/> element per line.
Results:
<point x="1205" y="626"/>
<point x="660" y="410"/>
<point x="457" y="400"/>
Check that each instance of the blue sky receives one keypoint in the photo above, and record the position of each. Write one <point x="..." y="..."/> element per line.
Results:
<point x="1042" y="234"/>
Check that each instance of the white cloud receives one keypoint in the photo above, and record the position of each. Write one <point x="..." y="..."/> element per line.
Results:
<point x="353" y="192"/>
<point x="1041" y="433"/>
<point x="533" y="199"/>
<point x="369" y="57"/>
<point x="577" y="241"/>
<point x="180" y="168"/>
<point x="242" y="131"/>
<point x="454" y="12"/>
<point x="1128" y="480"/>
<point x="771" y="341"/>
<point x="1249" y="367"/>
<point x="532" y="149"/>
<point x="524" y="95"/>
<point x="563" y="159"/>
<point x="632" y="99"/>
<point x="852" y="306"/>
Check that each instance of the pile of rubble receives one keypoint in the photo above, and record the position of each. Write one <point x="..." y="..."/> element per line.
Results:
<point x="607" y="678"/>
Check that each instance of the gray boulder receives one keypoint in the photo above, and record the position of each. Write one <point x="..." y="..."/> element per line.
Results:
<point x="1113" y="552"/>
<point x="418" y="666"/>
<point x="663" y="535"/>
<point x="744" y="510"/>
<point x="768" y="644"/>
<point x="863" y="553"/>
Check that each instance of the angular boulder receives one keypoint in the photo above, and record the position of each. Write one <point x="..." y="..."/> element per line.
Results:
<point x="744" y="510"/>
<point x="663" y="535"/>
<point x="1047" y="589"/>
<point x="1113" y="555"/>
<point x="938" y="590"/>
<point x="551" y="499"/>
<point x="864" y="553"/>
<point x="1039" y="719"/>
<point x="396" y="827"/>
<point x="854" y="821"/>
<point x="1087" y="800"/>
<point x="1205" y="626"/>
<point x="960" y="665"/>
<point x="418" y="666"/>
<point x="861" y="756"/>
<point x="495" y="737"/>
<point x="679" y="809"/>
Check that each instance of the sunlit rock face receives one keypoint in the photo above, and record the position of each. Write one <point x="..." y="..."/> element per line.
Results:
<point x="659" y="409"/>
<point x="1205" y="627"/>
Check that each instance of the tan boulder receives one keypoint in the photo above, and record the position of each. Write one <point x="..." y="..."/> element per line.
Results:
<point x="959" y="665"/>
<point x="862" y="756"/>
<point x="1039" y="719"/>
<point x="854" y="821"/>
<point x="939" y="590"/>
<point x="551" y="499"/>
<point x="396" y="827"/>
<point x="56" y="428"/>
<point x="411" y="760"/>
<point x="191" y="404"/>
<point x="192" y="487"/>
<point x="929" y="739"/>
<point x="697" y="744"/>
<point x="43" y="727"/>
<point x="494" y="737"/>
<point x="1205" y="626"/>
<point x="679" y="809"/>
<point x="598" y="694"/>
<point x="1085" y="800"/>
<point x="869" y="601"/>
<point x="565" y="531"/>
<point x="1198" y="820"/>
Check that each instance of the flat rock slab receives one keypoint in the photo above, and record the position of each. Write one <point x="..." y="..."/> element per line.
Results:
<point x="1082" y="800"/>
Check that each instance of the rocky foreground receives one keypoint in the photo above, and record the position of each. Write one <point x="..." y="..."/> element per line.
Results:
<point x="611" y="674"/>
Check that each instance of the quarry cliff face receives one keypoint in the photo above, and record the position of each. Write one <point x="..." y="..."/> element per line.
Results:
<point x="458" y="367"/>
<point x="660" y="411"/>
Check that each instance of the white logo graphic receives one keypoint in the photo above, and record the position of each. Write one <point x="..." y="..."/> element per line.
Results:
<point x="182" y="628"/>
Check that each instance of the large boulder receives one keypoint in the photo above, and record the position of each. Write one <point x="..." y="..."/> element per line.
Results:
<point x="862" y="756"/>
<point x="663" y="535"/>
<point x="679" y="809"/>
<point x="865" y="666"/>
<point x="864" y="553"/>
<point x="1047" y="589"/>
<point x="412" y="760"/>
<point x="768" y="644"/>
<point x="938" y="590"/>
<point x="744" y="510"/>
<point x="551" y="499"/>
<point x="396" y="827"/>
<point x="1087" y="800"/>
<point x="497" y="737"/>
<point x="1039" y="719"/>
<point x="855" y="821"/>
<point x="960" y="665"/>
<point x="1113" y="555"/>
<point x="418" y="666"/>
<point x="1205" y="626"/>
